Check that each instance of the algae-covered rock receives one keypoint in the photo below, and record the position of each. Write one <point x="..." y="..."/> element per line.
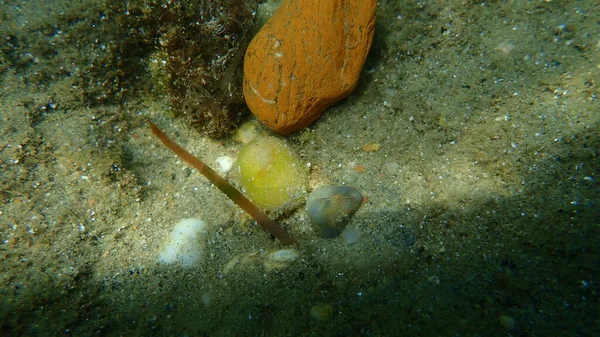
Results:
<point x="272" y="175"/>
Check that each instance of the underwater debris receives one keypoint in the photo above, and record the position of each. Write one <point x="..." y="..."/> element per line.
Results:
<point x="236" y="196"/>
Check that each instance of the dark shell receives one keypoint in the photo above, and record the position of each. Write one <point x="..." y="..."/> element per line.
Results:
<point x="330" y="208"/>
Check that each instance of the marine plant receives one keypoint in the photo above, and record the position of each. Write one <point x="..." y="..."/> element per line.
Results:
<point x="199" y="49"/>
<point x="235" y="195"/>
<point x="112" y="52"/>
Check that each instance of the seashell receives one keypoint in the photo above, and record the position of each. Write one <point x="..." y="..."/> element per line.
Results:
<point x="280" y="258"/>
<point x="273" y="260"/>
<point x="330" y="208"/>
<point x="241" y="261"/>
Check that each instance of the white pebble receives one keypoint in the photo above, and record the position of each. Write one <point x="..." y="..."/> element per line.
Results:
<point x="225" y="163"/>
<point x="184" y="246"/>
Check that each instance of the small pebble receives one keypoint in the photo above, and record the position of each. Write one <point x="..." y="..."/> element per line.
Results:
<point x="351" y="235"/>
<point x="225" y="163"/>
<point x="280" y="258"/>
<point x="507" y="322"/>
<point x="322" y="312"/>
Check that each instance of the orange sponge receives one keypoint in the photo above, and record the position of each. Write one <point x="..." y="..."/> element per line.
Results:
<point x="306" y="57"/>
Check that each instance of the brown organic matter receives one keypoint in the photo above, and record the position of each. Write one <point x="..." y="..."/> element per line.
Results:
<point x="307" y="56"/>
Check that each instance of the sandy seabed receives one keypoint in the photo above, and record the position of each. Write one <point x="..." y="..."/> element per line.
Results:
<point x="482" y="201"/>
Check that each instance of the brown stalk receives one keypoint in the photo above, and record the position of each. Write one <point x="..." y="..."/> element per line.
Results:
<point x="236" y="196"/>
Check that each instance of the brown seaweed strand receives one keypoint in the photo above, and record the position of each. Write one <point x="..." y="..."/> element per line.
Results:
<point x="261" y="218"/>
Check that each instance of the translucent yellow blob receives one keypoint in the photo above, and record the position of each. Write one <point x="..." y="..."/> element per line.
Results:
<point x="272" y="175"/>
<point x="247" y="132"/>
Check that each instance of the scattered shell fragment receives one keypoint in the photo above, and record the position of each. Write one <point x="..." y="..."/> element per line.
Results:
<point x="330" y="208"/>
<point x="360" y="168"/>
<point x="225" y="163"/>
<point x="241" y="261"/>
<point x="280" y="258"/>
<point x="276" y="259"/>
<point x="371" y="147"/>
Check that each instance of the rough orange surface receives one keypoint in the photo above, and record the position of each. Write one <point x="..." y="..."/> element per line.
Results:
<point x="307" y="56"/>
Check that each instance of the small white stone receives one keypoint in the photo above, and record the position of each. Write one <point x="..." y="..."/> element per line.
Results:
<point x="184" y="246"/>
<point x="225" y="163"/>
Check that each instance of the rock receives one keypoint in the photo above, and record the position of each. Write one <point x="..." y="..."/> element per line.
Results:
<point x="306" y="57"/>
<point x="330" y="208"/>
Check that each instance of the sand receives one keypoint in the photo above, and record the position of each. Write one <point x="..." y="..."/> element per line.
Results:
<point x="481" y="199"/>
